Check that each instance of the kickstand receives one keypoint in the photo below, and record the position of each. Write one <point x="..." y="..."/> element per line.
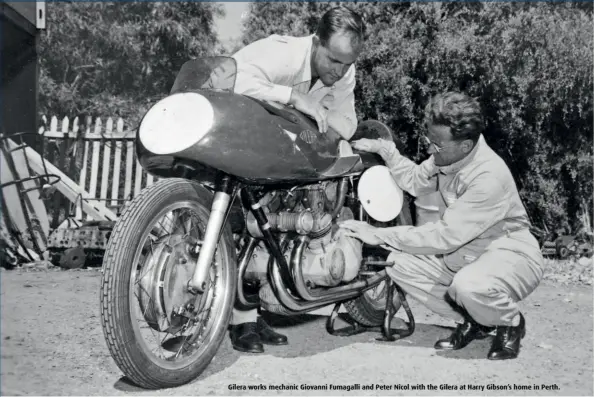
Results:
<point x="353" y="329"/>
<point x="388" y="334"/>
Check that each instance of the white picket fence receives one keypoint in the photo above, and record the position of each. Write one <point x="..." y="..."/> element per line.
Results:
<point x="113" y="175"/>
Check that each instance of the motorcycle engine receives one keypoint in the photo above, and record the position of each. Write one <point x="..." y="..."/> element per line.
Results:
<point x="330" y="258"/>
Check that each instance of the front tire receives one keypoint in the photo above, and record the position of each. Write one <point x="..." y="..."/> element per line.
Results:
<point x="126" y="251"/>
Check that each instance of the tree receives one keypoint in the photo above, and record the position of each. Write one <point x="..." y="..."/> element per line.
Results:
<point x="103" y="59"/>
<point x="529" y="64"/>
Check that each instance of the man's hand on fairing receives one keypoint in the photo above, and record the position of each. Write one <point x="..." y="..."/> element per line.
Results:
<point x="302" y="103"/>
<point x="380" y="146"/>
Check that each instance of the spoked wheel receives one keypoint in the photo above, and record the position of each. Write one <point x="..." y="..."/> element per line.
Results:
<point x="368" y="309"/>
<point x="159" y="334"/>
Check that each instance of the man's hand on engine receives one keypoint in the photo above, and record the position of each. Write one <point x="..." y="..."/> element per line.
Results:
<point x="315" y="110"/>
<point x="362" y="231"/>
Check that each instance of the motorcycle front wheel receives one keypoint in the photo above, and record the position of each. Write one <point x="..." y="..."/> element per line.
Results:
<point x="158" y="333"/>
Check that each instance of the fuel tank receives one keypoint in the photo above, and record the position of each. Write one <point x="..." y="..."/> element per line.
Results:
<point x="256" y="141"/>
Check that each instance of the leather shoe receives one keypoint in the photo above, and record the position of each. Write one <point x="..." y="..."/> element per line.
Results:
<point x="463" y="335"/>
<point x="267" y="334"/>
<point x="506" y="344"/>
<point x="245" y="338"/>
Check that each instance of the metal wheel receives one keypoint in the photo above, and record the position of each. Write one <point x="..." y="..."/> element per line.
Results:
<point x="159" y="334"/>
<point x="368" y="309"/>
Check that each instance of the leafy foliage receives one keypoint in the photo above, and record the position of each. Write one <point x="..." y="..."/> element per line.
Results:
<point x="113" y="59"/>
<point x="529" y="64"/>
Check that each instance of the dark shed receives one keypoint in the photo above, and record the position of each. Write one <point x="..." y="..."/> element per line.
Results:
<point x="20" y="26"/>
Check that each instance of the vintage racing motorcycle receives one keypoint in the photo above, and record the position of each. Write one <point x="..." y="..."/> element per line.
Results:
<point x="245" y="214"/>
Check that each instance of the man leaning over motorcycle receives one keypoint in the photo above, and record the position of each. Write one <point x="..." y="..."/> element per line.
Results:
<point x="479" y="259"/>
<point x="316" y="75"/>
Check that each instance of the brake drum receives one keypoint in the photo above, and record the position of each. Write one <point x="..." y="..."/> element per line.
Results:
<point x="162" y="290"/>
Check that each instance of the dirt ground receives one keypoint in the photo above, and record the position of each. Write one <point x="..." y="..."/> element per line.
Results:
<point x="52" y="344"/>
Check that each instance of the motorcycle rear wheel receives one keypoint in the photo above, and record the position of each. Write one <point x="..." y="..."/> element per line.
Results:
<point x="127" y="251"/>
<point x="369" y="308"/>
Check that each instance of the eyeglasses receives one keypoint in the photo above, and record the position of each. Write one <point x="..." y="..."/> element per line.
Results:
<point x="428" y="142"/>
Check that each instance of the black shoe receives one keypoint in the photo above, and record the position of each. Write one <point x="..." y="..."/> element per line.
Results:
<point x="268" y="336"/>
<point x="463" y="335"/>
<point x="506" y="344"/>
<point x="245" y="338"/>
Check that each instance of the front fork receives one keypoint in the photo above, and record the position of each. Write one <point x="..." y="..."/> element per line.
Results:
<point x="226" y="190"/>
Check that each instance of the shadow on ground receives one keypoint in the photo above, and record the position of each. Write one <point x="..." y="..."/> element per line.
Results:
<point x="308" y="337"/>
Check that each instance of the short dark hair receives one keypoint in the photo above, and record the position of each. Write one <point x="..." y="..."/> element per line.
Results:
<point x="341" y="20"/>
<point x="458" y="111"/>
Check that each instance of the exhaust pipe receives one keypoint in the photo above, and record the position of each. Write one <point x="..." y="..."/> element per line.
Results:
<point x="275" y="247"/>
<point x="250" y="302"/>
<point x="298" y="307"/>
<point x="314" y="295"/>
<point x="322" y="299"/>
<point x="341" y="191"/>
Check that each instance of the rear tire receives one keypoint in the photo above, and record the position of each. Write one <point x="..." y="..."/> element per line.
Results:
<point x="366" y="309"/>
<point x="369" y="311"/>
<point x="123" y="251"/>
<point x="563" y="252"/>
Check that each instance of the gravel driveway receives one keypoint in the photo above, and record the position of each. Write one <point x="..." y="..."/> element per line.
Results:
<point x="52" y="344"/>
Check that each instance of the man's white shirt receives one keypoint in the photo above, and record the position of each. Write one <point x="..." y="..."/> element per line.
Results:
<point x="269" y="69"/>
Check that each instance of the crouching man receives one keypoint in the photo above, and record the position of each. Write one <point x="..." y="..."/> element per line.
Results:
<point x="479" y="260"/>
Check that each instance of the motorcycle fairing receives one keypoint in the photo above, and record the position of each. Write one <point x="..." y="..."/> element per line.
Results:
<point x="320" y="149"/>
<point x="254" y="140"/>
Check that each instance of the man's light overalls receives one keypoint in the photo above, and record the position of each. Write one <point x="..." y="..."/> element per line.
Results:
<point x="479" y="251"/>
